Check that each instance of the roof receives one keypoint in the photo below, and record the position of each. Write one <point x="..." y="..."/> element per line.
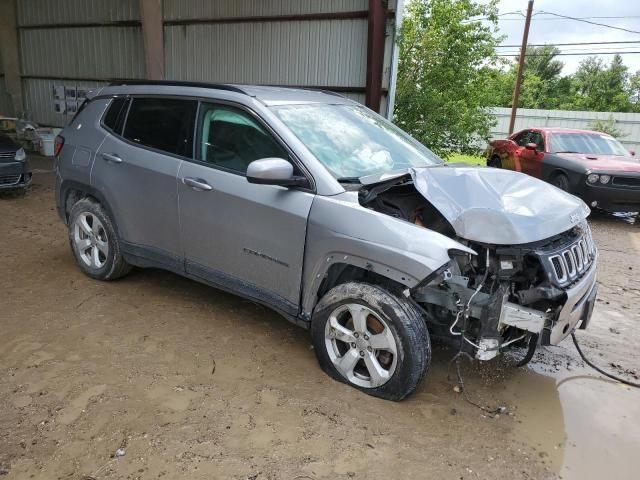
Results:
<point x="269" y="95"/>
<point x="565" y="130"/>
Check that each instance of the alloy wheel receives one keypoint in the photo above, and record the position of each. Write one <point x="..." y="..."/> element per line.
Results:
<point x="90" y="240"/>
<point x="361" y="345"/>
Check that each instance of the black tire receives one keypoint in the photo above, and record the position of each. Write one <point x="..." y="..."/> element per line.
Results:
<point x="406" y="323"/>
<point x="114" y="264"/>
<point x="561" y="181"/>
<point x="494" y="162"/>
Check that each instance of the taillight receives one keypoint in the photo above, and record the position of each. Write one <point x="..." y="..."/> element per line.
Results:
<point x="57" y="147"/>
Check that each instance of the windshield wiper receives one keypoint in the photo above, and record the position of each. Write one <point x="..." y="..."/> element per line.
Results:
<point x="349" y="179"/>
<point x="566" y="151"/>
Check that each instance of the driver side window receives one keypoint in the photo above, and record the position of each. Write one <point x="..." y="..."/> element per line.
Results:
<point x="231" y="139"/>
<point x="523" y="138"/>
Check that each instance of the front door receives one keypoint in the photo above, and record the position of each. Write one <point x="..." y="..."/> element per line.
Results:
<point x="531" y="160"/>
<point x="245" y="237"/>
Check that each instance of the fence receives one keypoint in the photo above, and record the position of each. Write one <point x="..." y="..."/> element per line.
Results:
<point x="628" y="123"/>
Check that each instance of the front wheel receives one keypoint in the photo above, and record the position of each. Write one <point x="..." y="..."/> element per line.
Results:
<point x="561" y="181"/>
<point x="368" y="338"/>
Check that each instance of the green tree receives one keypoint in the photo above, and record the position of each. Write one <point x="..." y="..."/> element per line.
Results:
<point x="444" y="73"/>
<point x="542" y="84"/>
<point x="602" y="88"/>
<point x="634" y="92"/>
<point x="607" y="126"/>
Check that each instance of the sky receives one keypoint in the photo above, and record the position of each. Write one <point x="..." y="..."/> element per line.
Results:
<point x="550" y="29"/>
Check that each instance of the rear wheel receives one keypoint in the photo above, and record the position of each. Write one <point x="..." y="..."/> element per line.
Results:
<point x="94" y="242"/>
<point x="561" y="181"/>
<point x="368" y="338"/>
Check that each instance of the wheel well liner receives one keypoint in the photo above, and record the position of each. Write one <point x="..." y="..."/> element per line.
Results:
<point x="71" y="192"/>
<point x="340" y="273"/>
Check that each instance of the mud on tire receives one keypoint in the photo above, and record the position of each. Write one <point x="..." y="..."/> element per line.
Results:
<point x="405" y="368"/>
<point x="107" y="263"/>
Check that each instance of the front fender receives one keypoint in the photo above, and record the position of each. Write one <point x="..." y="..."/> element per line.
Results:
<point x="340" y="230"/>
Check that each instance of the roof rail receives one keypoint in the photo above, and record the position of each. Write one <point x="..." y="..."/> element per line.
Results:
<point x="178" y="83"/>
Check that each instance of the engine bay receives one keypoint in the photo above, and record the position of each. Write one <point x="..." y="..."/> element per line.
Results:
<point x="506" y="294"/>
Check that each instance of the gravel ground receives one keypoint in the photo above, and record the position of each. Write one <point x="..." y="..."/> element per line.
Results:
<point x="155" y="376"/>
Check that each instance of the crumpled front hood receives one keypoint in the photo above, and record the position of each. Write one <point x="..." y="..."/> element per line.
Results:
<point x="498" y="206"/>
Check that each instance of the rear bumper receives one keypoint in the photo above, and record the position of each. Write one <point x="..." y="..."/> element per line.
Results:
<point x="14" y="175"/>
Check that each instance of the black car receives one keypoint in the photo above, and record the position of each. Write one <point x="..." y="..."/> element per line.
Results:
<point x="15" y="171"/>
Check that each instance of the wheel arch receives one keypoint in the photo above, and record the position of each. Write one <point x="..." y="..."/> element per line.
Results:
<point x="71" y="192"/>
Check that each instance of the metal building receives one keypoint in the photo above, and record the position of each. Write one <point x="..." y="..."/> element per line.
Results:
<point x="342" y="45"/>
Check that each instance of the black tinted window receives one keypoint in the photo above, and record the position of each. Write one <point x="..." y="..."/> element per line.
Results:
<point x="536" y="137"/>
<point x="162" y="123"/>
<point x="232" y="139"/>
<point x="523" y="138"/>
<point x="115" y="113"/>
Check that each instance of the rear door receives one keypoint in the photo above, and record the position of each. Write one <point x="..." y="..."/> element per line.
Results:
<point x="136" y="169"/>
<point x="245" y="237"/>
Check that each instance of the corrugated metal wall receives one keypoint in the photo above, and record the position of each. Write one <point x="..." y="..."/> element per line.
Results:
<point x="6" y="107"/>
<point x="196" y="9"/>
<point x="38" y="99"/>
<point x="628" y="123"/>
<point x="79" y="54"/>
<point x="304" y="52"/>
<point x="47" y="12"/>
<point x="314" y="52"/>
<point x="97" y="52"/>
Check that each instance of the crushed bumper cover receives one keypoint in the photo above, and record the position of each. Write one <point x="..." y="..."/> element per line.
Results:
<point x="576" y="311"/>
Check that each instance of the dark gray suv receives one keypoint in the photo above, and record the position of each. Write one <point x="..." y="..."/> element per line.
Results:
<point x="312" y="204"/>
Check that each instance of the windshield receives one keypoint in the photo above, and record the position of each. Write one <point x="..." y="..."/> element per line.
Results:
<point x="351" y="142"/>
<point x="586" y="143"/>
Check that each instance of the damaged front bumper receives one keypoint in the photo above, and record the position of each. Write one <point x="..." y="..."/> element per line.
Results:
<point x="553" y="329"/>
<point x="493" y="312"/>
<point x="577" y="310"/>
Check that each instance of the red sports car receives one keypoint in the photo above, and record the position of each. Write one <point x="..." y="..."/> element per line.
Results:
<point x="591" y="165"/>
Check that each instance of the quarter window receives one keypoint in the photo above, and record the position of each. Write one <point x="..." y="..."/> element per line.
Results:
<point x="162" y="123"/>
<point x="114" y="117"/>
<point x="231" y="139"/>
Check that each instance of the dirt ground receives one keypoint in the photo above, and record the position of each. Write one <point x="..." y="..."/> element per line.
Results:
<point x="194" y="383"/>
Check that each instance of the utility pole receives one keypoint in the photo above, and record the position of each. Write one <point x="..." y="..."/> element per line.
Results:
<point x="523" y="51"/>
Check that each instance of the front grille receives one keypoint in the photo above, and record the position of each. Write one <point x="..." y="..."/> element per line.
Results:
<point x="568" y="263"/>
<point x="9" y="179"/>
<point x="626" y="181"/>
<point x="7" y="154"/>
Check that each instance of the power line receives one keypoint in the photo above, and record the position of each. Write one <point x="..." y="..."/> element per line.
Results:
<point x="534" y="19"/>
<point x="590" y="22"/>
<point x="515" y="54"/>
<point x="568" y="44"/>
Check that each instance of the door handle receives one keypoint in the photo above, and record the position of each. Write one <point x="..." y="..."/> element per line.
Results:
<point x="111" y="157"/>
<point x="197" y="184"/>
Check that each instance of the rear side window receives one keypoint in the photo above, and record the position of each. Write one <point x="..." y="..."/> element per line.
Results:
<point x="162" y="123"/>
<point x="114" y="117"/>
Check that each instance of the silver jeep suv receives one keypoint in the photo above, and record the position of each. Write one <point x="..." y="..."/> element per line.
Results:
<point x="315" y="206"/>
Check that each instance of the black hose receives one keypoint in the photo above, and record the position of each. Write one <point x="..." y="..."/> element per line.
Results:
<point x="533" y="344"/>
<point x="599" y="370"/>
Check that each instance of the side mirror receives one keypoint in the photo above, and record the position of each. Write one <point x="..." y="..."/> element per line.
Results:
<point x="531" y="146"/>
<point x="273" y="171"/>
